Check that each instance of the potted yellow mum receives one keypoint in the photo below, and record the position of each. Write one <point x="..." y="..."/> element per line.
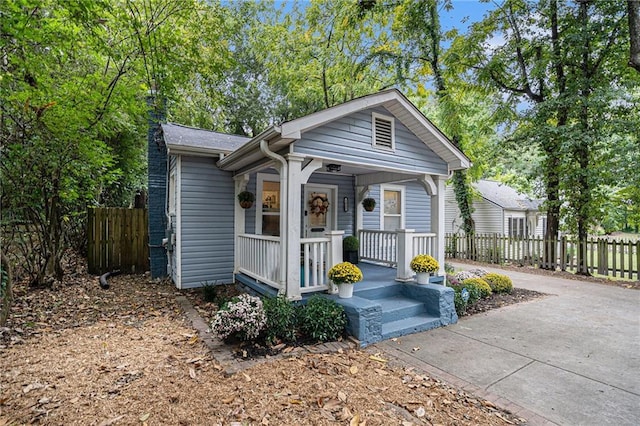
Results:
<point x="345" y="275"/>
<point x="424" y="265"/>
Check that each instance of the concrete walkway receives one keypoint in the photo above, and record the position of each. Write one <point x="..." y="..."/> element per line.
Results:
<point x="570" y="358"/>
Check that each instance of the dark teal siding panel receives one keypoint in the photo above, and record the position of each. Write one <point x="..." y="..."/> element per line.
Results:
<point x="207" y="217"/>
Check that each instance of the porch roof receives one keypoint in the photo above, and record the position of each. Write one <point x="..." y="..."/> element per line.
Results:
<point x="394" y="101"/>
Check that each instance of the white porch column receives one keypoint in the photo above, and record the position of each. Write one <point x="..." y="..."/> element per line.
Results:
<point x="335" y="253"/>
<point x="292" y="233"/>
<point x="241" y="182"/>
<point x="438" y="221"/>
<point x="404" y="254"/>
<point x="361" y="193"/>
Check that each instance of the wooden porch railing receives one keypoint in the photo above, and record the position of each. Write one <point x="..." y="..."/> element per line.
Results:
<point x="315" y="259"/>
<point x="396" y="248"/>
<point x="379" y="246"/>
<point x="259" y="258"/>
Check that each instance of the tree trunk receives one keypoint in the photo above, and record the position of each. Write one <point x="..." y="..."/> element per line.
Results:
<point x="633" y="7"/>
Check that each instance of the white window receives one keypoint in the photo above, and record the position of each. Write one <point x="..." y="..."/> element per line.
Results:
<point x="517" y="227"/>
<point x="383" y="131"/>
<point x="268" y="199"/>
<point x="392" y="211"/>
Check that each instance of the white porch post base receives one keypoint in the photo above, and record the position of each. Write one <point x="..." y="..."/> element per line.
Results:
<point x="335" y="254"/>
<point x="405" y="254"/>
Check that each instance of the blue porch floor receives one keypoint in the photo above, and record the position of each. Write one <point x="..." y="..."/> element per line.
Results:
<point x="382" y="308"/>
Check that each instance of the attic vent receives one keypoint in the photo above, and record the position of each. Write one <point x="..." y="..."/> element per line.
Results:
<point x="383" y="131"/>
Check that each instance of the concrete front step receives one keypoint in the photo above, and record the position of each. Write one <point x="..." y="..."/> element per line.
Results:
<point x="395" y="308"/>
<point x="409" y="325"/>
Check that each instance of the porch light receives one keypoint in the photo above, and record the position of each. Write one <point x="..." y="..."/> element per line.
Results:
<point x="333" y="168"/>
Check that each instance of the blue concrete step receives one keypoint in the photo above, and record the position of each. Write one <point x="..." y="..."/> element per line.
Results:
<point x="395" y="308"/>
<point x="409" y="325"/>
<point x="377" y="290"/>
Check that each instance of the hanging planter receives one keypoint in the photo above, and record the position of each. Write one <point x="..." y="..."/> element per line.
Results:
<point x="246" y="199"/>
<point x="369" y="204"/>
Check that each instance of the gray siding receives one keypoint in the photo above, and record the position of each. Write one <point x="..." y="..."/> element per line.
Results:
<point x="371" y="220"/>
<point x="349" y="139"/>
<point x="207" y="218"/>
<point x="417" y="208"/>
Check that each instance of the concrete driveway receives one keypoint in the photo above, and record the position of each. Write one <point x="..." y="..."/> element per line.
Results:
<point x="570" y="358"/>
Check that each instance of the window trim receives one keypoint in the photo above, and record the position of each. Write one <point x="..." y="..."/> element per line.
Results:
<point x="260" y="179"/>
<point x="403" y="201"/>
<point x="391" y="120"/>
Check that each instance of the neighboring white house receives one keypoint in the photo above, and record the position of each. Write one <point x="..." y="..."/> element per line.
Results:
<point x="498" y="209"/>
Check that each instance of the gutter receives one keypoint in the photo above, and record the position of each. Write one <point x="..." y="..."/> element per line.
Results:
<point x="284" y="203"/>
<point x="253" y="145"/>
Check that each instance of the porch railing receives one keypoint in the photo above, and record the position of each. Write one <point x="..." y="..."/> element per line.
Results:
<point x="315" y="258"/>
<point x="379" y="246"/>
<point x="396" y="248"/>
<point x="259" y="257"/>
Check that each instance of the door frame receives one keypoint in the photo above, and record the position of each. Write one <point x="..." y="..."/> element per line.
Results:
<point x="332" y="190"/>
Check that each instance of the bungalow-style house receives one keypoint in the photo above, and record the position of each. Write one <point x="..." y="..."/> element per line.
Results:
<point x="498" y="209"/>
<point x="309" y="177"/>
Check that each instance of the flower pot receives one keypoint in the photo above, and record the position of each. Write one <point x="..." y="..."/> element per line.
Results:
<point x="246" y="204"/>
<point x="345" y="291"/>
<point x="350" y="256"/>
<point x="422" y="277"/>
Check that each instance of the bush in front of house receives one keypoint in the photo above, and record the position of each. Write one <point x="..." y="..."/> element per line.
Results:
<point x="322" y="319"/>
<point x="448" y="268"/>
<point x="452" y="280"/>
<point x="482" y="286"/>
<point x="242" y="318"/>
<point x="281" y="320"/>
<point x="499" y="283"/>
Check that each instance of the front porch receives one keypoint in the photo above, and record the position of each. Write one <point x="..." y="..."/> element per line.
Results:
<point x="382" y="307"/>
<point x="260" y="258"/>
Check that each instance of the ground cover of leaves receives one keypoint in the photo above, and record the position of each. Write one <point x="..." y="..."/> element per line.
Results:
<point x="126" y="356"/>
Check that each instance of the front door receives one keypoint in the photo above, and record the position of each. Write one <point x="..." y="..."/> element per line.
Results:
<point x="319" y="210"/>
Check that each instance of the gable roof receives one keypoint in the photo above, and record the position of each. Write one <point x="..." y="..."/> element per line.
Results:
<point x="505" y="196"/>
<point x="190" y="140"/>
<point x="395" y="102"/>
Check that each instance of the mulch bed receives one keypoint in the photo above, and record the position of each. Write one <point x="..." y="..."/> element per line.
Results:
<point x="78" y="354"/>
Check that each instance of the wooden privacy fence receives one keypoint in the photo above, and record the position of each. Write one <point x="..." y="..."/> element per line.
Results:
<point x="117" y="239"/>
<point x="604" y="256"/>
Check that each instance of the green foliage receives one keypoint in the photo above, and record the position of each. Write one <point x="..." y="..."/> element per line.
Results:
<point x="478" y="283"/>
<point x="448" y="268"/>
<point x="281" y="320"/>
<point x="322" y="319"/>
<point x="6" y="294"/>
<point x="350" y="243"/>
<point x="499" y="283"/>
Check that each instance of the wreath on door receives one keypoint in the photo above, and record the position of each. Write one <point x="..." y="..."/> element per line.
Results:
<point x="318" y="204"/>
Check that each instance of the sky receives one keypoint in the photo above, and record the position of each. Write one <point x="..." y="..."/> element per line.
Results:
<point x="464" y="13"/>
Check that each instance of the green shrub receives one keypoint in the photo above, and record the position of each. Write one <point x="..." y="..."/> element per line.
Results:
<point x="281" y="320"/>
<point x="322" y="319"/>
<point x="480" y="284"/>
<point x="474" y="292"/>
<point x="499" y="283"/>
<point x="449" y="269"/>
<point x="350" y="243"/>
<point x="459" y="302"/>
<point x="209" y="292"/>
